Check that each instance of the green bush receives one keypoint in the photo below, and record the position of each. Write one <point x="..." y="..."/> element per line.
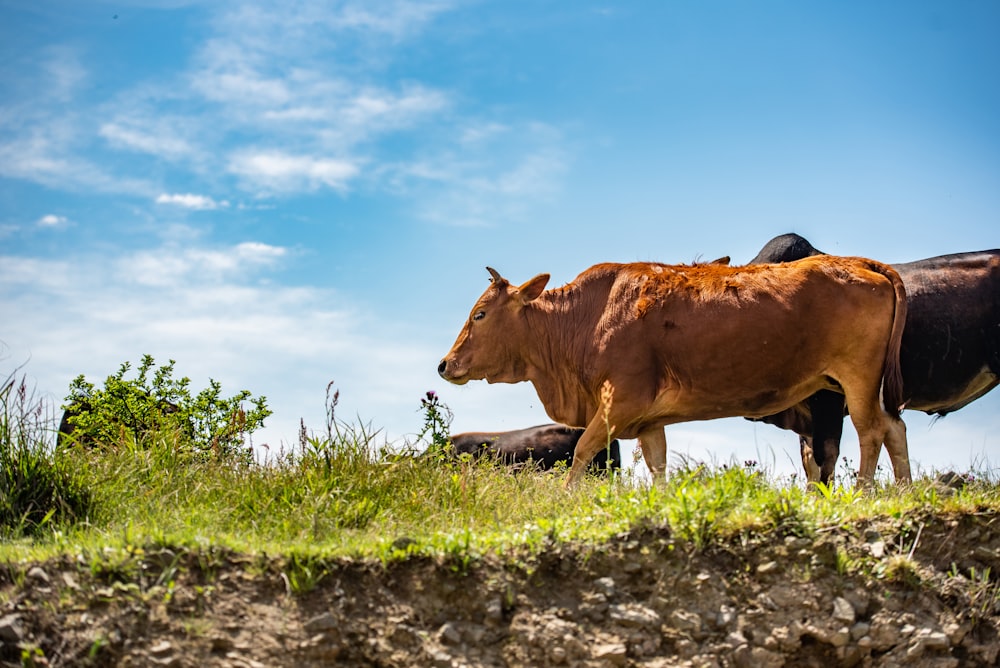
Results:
<point x="130" y="411"/>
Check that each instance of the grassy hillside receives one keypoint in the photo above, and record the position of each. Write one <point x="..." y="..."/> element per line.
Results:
<point x="151" y="549"/>
<point x="342" y="495"/>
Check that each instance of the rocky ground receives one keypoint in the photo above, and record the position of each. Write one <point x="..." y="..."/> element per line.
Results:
<point x="910" y="591"/>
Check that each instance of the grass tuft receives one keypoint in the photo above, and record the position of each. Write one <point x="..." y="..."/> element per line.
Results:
<point x="37" y="490"/>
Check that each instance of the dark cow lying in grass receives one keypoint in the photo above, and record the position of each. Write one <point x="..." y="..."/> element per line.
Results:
<point x="950" y="352"/>
<point x="543" y="446"/>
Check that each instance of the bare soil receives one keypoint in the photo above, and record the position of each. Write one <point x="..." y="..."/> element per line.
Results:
<point x="909" y="591"/>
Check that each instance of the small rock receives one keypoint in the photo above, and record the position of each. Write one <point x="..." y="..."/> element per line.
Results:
<point x="840" y="637"/>
<point x="614" y="654"/>
<point x="933" y="640"/>
<point x="494" y="611"/>
<point x="319" y="623"/>
<point x="984" y="553"/>
<point x="767" y="567"/>
<point x="244" y="661"/>
<point x="835" y="637"/>
<point x="162" y="647"/>
<point x="70" y="581"/>
<point x="440" y="659"/>
<point x="956" y="633"/>
<point x="687" y="622"/>
<point x="843" y="611"/>
<point x="860" y="630"/>
<point x="735" y="639"/>
<point x="725" y="616"/>
<point x="10" y="629"/>
<point x="634" y="615"/>
<point x="884" y="636"/>
<point x="877" y="549"/>
<point x="36" y="573"/>
<point x="557" y="655"/>
<point x="606" y="586"/>
<point x="449" y="634"/>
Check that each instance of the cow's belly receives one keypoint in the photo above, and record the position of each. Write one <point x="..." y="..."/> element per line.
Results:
<point x="681" y="405"/>
<point x="942" y="399"/>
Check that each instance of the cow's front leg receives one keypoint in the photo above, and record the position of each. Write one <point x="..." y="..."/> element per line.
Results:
<point x="653" y="443"/>
<point x="595" y="438"/>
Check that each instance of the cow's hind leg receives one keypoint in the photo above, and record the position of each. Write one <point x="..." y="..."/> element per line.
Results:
<point x="808" y="461"/>
<point x="653" y="443"/>
<point x="876" y="427"/>
<point x="895" y="444"/>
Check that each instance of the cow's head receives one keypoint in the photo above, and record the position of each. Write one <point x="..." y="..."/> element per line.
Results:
<point x="491" y="343"/>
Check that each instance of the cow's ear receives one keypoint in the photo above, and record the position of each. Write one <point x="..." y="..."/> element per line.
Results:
<point x="530" y="290"/>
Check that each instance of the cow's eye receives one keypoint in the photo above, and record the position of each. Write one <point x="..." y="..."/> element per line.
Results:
<point x="479" y="315"/>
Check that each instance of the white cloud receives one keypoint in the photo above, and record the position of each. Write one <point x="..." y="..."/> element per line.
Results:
<point x="191" y="201"/>
<point x="52" y="220"/>
<point x="502" y="173"/>
<point x="55" y="163"/>
<point x="245" y="86"/>
<point x="274" y="171"/>
<point x="73" y="316"/>
<point x="177" y="265"/>
<point x="156" y="142"/>
<point x="64" y="72"/>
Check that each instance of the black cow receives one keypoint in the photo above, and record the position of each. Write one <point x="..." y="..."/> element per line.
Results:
<point x="543" y="446"/>
<point x="950" y="352"/>
<point x="138" y="425"/>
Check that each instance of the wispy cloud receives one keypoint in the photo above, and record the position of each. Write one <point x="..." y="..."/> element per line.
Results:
<point x="278" y="99"/>
<point x="176" y="264"/>
<point x="502" y="173"/>
<point x="154" y="141"/>
<point x="52" y="220"/>
<point x="192" y="201"/>
<point x="274" y="171"/>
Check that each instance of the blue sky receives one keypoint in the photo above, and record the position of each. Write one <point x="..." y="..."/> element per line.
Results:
<point x="281" y="194"/>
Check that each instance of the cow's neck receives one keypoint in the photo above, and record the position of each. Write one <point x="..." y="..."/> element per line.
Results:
<point x="561" y="327"/>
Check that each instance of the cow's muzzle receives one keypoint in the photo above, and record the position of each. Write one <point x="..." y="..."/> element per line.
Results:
<point x="451" y="373"/>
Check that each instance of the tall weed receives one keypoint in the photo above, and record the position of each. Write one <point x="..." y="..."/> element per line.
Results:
<point x="37" y="490"/>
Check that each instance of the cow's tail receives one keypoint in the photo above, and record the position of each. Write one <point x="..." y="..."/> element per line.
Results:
<point x="892" y="374"/>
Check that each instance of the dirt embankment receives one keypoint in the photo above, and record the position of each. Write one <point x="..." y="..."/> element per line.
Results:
<point x="915" y="592"/>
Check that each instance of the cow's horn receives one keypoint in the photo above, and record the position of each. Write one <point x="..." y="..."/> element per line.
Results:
<point x="495" y="274"/>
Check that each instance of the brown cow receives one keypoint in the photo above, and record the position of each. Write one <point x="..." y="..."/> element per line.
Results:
<point x="949" y="355"/>
<point x="626" y="349"/>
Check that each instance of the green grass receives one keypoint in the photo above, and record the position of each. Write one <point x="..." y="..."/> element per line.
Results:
<point x="343" y="496"/>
